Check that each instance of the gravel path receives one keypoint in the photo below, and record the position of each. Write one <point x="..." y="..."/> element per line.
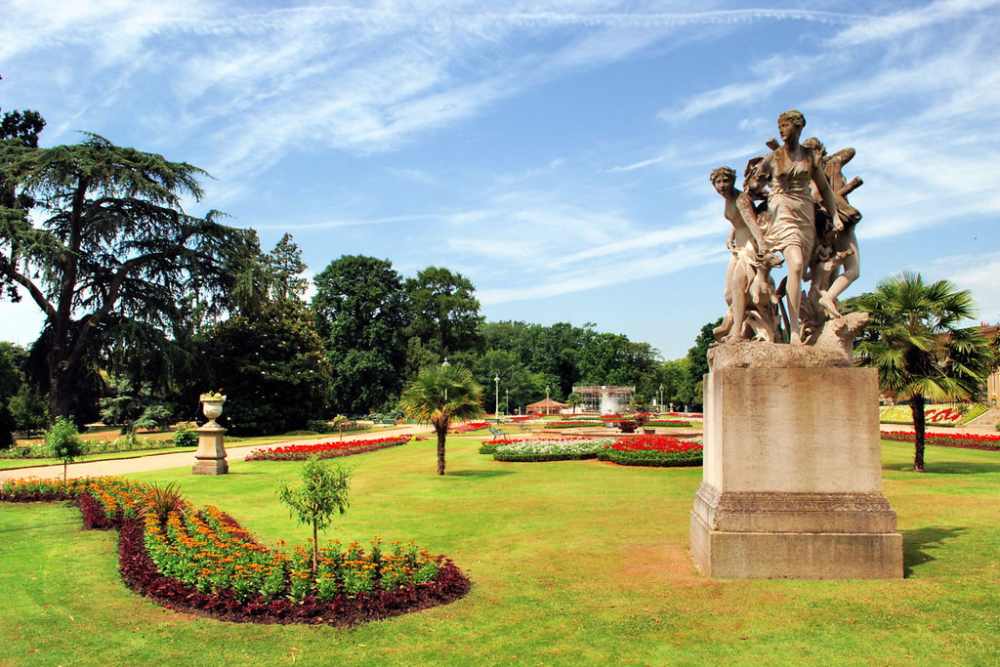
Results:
<point x="162" y="461"/>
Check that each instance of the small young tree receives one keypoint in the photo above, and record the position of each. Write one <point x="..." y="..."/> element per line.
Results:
<point x="63" y="441"/>
<point x="323" y="493"/>
<point x="575" y="400"/>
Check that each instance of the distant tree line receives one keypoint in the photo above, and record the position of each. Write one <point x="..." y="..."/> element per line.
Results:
<point x="147" y="306"/>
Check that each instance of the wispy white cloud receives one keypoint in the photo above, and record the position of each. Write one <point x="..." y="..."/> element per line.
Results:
<point x="642" y="164"/>
<point x="604" y="275"/>
<point x="728" y="95"/>
<point x="897" y="24"/>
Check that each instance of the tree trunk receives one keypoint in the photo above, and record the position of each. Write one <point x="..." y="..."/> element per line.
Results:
<point x="315" y="550"/>
<point x="917" y="404"/>
<point x="61" y="399"/>
<point x="65" y="470"/>
<point x="442" y="434"/>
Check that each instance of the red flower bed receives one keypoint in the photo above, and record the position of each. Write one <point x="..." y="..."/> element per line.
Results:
<point x="944" y="415"/>
<point x="655" y="443"/>
<point x="964" y="440"/>
<point x="468" y="427"/>
<point x="326" y="450"/>
<point x="654" y="450"/>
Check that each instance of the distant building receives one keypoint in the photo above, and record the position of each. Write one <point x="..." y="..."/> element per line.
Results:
<point x="605" y="399"/>
<point x="546" y="407"/>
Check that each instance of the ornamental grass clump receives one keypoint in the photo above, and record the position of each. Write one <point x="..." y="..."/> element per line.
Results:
<point x="324" y="492"/>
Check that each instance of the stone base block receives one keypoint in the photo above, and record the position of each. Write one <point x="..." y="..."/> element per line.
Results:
<point x="795" y="536"/>
<point x="211" y="454"/>
<point x="211" y="467"/>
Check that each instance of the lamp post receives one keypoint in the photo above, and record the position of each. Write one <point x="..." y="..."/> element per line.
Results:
<point x="661" y="397"/>
<point x="445" y="364"/>
<point x="548" y="410"/>
<point x="496" y="382"/>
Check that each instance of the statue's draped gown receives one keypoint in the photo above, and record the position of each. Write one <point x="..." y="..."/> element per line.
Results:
<point x="790" y="203"/>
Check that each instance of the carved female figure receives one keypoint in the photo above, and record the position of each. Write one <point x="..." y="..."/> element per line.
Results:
<point x="845" y="241"/>
<point x="792" y="169"/>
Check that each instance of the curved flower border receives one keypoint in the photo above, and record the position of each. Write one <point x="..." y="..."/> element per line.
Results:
<point x="107" y="503"/>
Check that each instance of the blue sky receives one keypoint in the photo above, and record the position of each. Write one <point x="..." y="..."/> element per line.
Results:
<point x="556" y="152"/>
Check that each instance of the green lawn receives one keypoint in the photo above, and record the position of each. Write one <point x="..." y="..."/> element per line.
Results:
<point x="572" y="562"/>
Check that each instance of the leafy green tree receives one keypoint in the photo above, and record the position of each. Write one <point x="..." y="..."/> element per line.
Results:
<point x="439" y="394"/>
<point x="29" y="409"/>
<point x="418" y="356"/>
<point x="324" y="493"/>
<point x="518" y="383"/>
<point x="916" y="342"/>
<point x="286" y="268"/>
<point x="697" y="358"/>
<point x="112" y="239"/>
<point x="362" y="315"/>
<point x="11" y="381"/>
<point x="445" y="311"/>
<point x="574" y="400"/>
<point x="123" y="406"/>
<point x="678" y="383"/>
<point x="271" y="366"/>
<point x="63" y="441"/>
<point x="19" y="129"/>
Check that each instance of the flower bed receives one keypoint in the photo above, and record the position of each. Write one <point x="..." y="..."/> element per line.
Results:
<point x="963" y="440"/>
<point x="468" y="427"/>
<point x="326" y="450"/>
<point x="667" y="423"/>
<point x="550" y="450"/>
<point x="490" y="446"/>
<point x="934" y="415"/>
<point x="653" y="450"/>
<point x="203" y="560"/>
<point x="574" y="423"/>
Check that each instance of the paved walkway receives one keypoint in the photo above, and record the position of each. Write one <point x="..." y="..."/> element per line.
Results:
<point x="181" y="459"/>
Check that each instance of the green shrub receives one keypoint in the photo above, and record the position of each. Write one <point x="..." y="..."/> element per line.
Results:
<point x="185" y="436"/>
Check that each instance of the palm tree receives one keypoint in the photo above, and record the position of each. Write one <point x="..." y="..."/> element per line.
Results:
<point x="921" y="352"/>
<point x="574" y="400"/>
<point x="438" y="395"/>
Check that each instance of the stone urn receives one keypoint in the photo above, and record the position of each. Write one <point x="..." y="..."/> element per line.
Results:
<point x="211" y="405"/>
<point x="211" y="454"/>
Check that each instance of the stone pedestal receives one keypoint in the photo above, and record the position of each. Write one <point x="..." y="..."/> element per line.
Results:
<point x="792" y="480"/>
<point x="211" y="454"/>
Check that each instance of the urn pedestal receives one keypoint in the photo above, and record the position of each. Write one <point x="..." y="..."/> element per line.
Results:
<point x="792" y="478"/>
<point x="211" y="454"/>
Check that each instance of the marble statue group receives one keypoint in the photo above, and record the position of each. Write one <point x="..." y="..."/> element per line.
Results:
<point x="793" y="210"/>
